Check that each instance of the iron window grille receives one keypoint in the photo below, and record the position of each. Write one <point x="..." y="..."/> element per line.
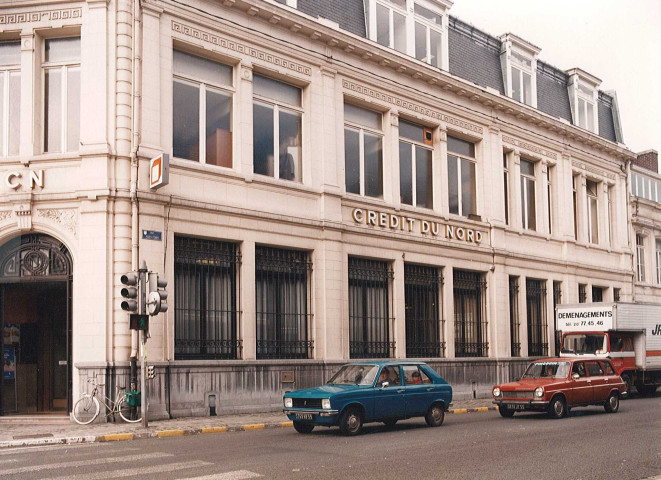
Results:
<point x="582" y="293"/>
<point x="206" y="292"/>
<point x="616" y="294"/>
<point x="537" y="326"/>
<point x="470" y="316"/>
<point x="423" y="323"/>
<point x="597" y="294"/>
<point x="283" y="291"/>
<point x="557" y="300"/>
<point x="515" y="340"/>
<point x="369" y="309"/>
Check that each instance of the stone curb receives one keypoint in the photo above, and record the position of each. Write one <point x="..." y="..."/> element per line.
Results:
<point x="118" y="437"/>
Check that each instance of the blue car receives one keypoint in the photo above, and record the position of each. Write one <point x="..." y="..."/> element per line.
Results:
<point x="371" y="392"/>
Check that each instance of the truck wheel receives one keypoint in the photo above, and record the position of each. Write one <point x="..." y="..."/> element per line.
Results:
<point x="646" y="390"/>
<point x="302" y="427"/>
<point x="505" y="412"/>
<point x="628" y="385"/>
<point x="351" y="421"/>
<point x="613" y="403"/>
<point x="557" y="408"/>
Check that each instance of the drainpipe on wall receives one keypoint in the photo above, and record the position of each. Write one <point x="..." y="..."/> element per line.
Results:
<point x="136" y="73"/>
<point x="631" y="242"/>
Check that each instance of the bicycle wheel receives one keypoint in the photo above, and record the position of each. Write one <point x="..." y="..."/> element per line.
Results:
<point x="86" y="409"/>
<point x="129" y="414"/>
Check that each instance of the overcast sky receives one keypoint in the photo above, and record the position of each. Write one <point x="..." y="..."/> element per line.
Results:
<point x="614" y="40"/>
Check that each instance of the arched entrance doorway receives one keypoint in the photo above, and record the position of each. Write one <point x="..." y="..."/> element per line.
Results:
<point x="35" y="320"/>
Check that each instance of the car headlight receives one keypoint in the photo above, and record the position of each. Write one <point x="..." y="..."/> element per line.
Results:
<point x="325" y="403"/>
<point x="496" y="392"/>
<point x="539" y="392"/>
<point x="288" y="402"/>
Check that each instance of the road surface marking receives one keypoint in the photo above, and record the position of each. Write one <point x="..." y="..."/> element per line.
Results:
<point x="235" y="475"/>
<point x="84" y="463"/>
<point x="135" y="471"/>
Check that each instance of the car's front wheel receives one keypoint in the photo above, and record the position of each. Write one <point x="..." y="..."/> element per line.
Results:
<point x="557" y="408"/>
<point x="351" y="421"/>
<point x="505" y="412"/>
<point x="302" y="427"/>
<point x="435" y="415"/>
<point x="613" y="403"/>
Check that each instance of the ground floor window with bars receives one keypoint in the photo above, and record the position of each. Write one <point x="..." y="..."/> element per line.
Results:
<point x="470" y="316"/>
<point x="282" y="309"/>
<point x="206" y="314"/>
<point x="515" y="341"/>
<point x="423" y="325"/>
<point x="369" y="309"/>
<point x="557" y="300"/>
<point x="537" y="327"/>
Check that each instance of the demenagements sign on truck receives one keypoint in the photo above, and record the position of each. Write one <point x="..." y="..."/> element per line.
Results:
<point x="627" y="333"/>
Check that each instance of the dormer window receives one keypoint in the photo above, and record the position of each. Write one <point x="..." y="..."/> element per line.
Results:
<point x="582" y="90"/>
<point x="418" y="28"/>
<point x="518" y="60"/>
<point x="391" y="24"/>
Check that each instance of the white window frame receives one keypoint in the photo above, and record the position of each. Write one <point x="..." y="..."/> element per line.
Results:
<point x="64" y="67"/>
<point x="549" y="197"/>
<point x="430" y="148"/>
<point x="429" y="25"/>
<point x="289" y="3"/>
<point x="589" y="199"/>
<point x="657" y="241"/>
<point x="361" y="148"/>
<point x="6" y="72"/>
<point x="202" y="118"/>
<point x="640" y="257"/>
<point x="277" y="106"/>
<point x="392" y="9"/>
<point x="582" y="89"/>
<point x="517" y="57"/>
<point x="525" y="193"/>
<point x="439" y="7"/>
<point x="460" y="158"/>
<point x="507" y="183"/>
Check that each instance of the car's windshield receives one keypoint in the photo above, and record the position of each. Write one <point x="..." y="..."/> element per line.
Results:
<point x="547" y="370"/>
<point x="584" y="343"/>
<point x="354" y="375"/>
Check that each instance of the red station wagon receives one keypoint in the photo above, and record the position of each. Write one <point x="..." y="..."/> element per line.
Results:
<point x="555" y="385"/>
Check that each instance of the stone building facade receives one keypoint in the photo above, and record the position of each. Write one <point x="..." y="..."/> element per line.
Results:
<point x="348" y="180"/>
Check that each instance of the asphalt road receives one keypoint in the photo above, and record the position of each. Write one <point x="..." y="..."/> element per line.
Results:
<point x="590" y="444"/>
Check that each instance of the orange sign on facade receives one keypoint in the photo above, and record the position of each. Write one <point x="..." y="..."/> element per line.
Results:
<point x="159" y="171"/>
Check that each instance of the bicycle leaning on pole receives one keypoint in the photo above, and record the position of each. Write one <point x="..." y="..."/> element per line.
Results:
<point x="87" y="408"/>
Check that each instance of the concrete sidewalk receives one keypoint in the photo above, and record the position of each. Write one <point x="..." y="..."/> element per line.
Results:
<point x="31" y="432"/>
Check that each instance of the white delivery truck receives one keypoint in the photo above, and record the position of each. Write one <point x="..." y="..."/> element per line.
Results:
<point x="629" y="334"/>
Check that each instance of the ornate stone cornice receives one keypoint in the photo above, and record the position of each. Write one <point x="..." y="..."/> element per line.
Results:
<point x="41" y="16"/>
<point x="413" y="107"/>
<point x="589" y="168"/>
<point x="239" y="48"/>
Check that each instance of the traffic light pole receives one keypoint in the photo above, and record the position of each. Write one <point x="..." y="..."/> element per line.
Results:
<point x="143" y="345"/>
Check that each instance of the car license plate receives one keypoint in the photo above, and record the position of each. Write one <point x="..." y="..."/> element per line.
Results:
<point x="516" y="406"/>
<point x="304" y="416"/>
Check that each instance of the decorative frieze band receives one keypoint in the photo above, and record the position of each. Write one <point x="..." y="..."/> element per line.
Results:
<point x="239" y="48"/>
<point x="65" y="217"/>
<point x="386" y="98"/>
<point x="531" y="148"/>
<point x="588" y="168"/>
<point x="43" y="16"/>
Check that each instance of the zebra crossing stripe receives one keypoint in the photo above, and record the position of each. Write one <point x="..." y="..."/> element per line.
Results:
<point x="168" y="467"/>
<point x="235" y="475"/>
<point x="83" y="463"/>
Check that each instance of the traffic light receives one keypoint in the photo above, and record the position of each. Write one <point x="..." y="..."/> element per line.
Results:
<point x="130" y="292"/>
<point x="151" y="373"/>
<point x="157" y="299"/>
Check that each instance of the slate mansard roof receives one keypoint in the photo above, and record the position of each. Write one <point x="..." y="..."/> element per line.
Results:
<point x="475" y="56"/>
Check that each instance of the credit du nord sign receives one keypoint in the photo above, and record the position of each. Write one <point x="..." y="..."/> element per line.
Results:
<point x="403" y="223"/>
